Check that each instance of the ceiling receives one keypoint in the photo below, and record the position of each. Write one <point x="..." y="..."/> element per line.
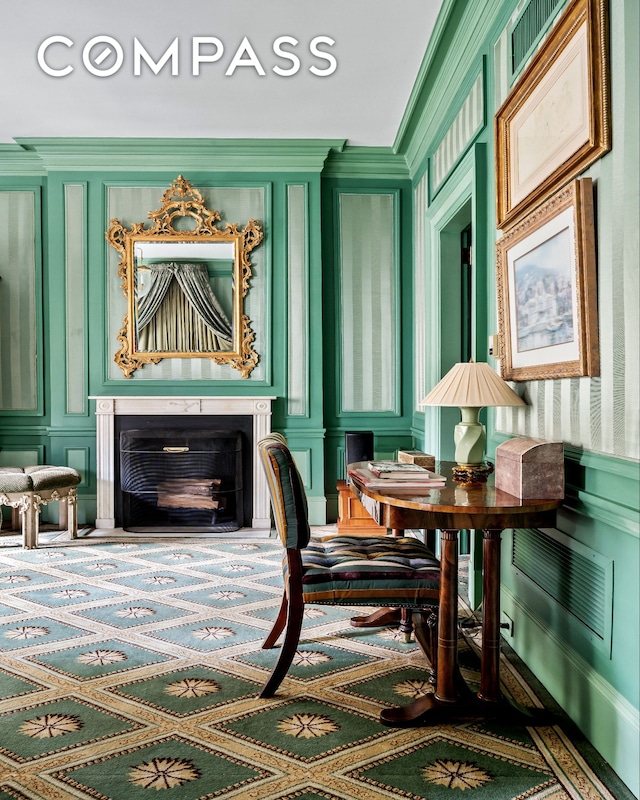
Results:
<point x="378" y="51"/>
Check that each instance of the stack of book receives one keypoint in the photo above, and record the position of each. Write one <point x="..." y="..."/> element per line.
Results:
<point x="394" y="475"/>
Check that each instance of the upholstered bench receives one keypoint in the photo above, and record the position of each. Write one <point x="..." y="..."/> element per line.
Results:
<point x="25" y="489"/>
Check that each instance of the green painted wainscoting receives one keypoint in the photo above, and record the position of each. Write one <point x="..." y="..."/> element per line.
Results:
<point x="572" y="593"/>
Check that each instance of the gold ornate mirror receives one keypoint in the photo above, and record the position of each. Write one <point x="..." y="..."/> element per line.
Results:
<point x="185" y="280"/>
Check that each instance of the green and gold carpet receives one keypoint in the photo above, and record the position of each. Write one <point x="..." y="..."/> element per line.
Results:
<point x="129" y="669"/>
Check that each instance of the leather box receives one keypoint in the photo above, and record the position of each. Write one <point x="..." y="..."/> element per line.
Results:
<point x="532" y="469"/>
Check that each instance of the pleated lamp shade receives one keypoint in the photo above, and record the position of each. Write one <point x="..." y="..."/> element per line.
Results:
<point x="472" y="384"/>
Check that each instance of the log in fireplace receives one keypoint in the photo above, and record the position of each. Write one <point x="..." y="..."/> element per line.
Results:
<point x="186" y="479"/>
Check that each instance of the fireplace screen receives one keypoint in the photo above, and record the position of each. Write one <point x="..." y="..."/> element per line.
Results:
<point x="181" y="480"/>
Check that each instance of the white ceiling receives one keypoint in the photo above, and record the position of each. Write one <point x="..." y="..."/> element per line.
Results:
<point x="378" y="48"/>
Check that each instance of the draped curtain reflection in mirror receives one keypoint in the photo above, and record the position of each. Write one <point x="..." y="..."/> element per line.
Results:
<point x="185" y="280"/>
<point x="180" y="312"/>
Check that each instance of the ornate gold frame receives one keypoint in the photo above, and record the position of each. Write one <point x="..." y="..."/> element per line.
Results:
<point x="571" y="210"/>
<point x="183" y="203"/>
<point x="569" y="74"/>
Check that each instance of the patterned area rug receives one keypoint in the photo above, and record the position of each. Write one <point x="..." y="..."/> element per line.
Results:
<point x="129" y="669"/>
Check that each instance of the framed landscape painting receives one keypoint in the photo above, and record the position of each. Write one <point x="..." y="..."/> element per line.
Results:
<point x="547" y="290"/>
<point x="556" y="120"/>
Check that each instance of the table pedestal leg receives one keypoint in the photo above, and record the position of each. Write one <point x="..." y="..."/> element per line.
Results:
<point x="448" y="618"/>
<point x="490" y="665"/>
<point x="431" y="706"/>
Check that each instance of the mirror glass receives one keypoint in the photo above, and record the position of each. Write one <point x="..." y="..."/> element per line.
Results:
<point x="185" y="280"/>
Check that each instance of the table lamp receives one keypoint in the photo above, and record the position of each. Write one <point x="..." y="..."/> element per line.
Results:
<point x="471" y="386"/>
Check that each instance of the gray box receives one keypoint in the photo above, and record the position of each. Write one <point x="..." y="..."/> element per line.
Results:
<point x="532" y="469"/>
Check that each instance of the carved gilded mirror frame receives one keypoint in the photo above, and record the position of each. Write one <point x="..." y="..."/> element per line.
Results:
<point x="185" y="219"/>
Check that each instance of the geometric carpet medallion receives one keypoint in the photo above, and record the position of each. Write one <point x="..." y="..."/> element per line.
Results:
<point x="312" y="660"/>
<point x="304" y="729"/>
<point x="174" y="766"/>
<point x="459" y="762"/>
<point x="187" y="691"/>
<point x="130" y="670"/>
<point x="96" y="659"/>
<point x="47" y="728"/>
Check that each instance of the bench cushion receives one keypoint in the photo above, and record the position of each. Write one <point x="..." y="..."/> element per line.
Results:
<point x="37" y="478"/>
<point x="354" y="570"/>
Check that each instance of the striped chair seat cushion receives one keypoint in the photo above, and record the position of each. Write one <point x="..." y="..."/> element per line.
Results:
<point x="377" y="571"/>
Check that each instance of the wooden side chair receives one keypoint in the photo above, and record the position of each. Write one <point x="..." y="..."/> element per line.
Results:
<point x="398" y="572"/>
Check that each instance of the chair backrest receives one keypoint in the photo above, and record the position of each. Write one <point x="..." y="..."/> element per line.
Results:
<point x="288" y="497"/>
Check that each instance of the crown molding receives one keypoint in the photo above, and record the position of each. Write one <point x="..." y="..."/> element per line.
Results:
<point x="363" y="162"/>
<point x="219" y="155"/>
<point x="15" y="160"/>
<point x="461" y="32"/>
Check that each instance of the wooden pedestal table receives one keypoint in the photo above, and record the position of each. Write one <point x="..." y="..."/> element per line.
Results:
<point x="450" y="509"/>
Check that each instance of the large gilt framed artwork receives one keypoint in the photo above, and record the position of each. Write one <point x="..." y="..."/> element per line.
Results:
<point x="556" y="120"/>
<point x="547" y="290"/>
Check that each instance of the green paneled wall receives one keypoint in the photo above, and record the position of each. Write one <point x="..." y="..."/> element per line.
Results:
<point x="352" y="308"/>
<point x="595" y="680"/>
<point x="77" y="310"/>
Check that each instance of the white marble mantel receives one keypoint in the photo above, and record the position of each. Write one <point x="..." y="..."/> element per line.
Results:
<point x="259" y="408"/>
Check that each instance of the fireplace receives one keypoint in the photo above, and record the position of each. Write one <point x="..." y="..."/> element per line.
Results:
<point x="248" y="417"/>
<point x="181" y="480"/>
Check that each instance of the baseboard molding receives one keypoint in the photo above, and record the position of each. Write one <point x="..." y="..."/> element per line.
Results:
<point x="607" y="719"/>
<point x="317" y="510"/>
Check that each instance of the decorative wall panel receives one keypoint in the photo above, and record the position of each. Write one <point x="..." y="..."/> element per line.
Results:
<point x="74" y="273"/>
<point x="369" y="302"/>
<point x="464" y="127"/>
<point x="19" y="285"/>
<point x="298" y="301"/>
<point x="420" y="204"/>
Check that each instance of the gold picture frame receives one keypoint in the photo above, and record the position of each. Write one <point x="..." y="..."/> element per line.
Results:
<point x="547" y="290"/>
<point x="556" y="120"/>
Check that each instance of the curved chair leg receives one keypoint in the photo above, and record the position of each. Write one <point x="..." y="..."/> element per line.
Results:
<point x="288" y="649"/>
<point x="278" y="625"/>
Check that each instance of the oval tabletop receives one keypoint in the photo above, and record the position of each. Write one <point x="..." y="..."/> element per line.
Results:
<point x="453" y="505"/>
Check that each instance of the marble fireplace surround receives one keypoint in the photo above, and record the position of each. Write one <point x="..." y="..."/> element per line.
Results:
<point x="259" y="408"/>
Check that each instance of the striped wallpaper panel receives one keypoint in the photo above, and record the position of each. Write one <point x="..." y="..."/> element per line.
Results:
<point x="467" y="123"/>
<point x="420" y="353"/>
<point x="74" y="273"/>
<point x="18" y="309"/>
<point x="298" y="302"/>
<point x="368" y="310"/>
